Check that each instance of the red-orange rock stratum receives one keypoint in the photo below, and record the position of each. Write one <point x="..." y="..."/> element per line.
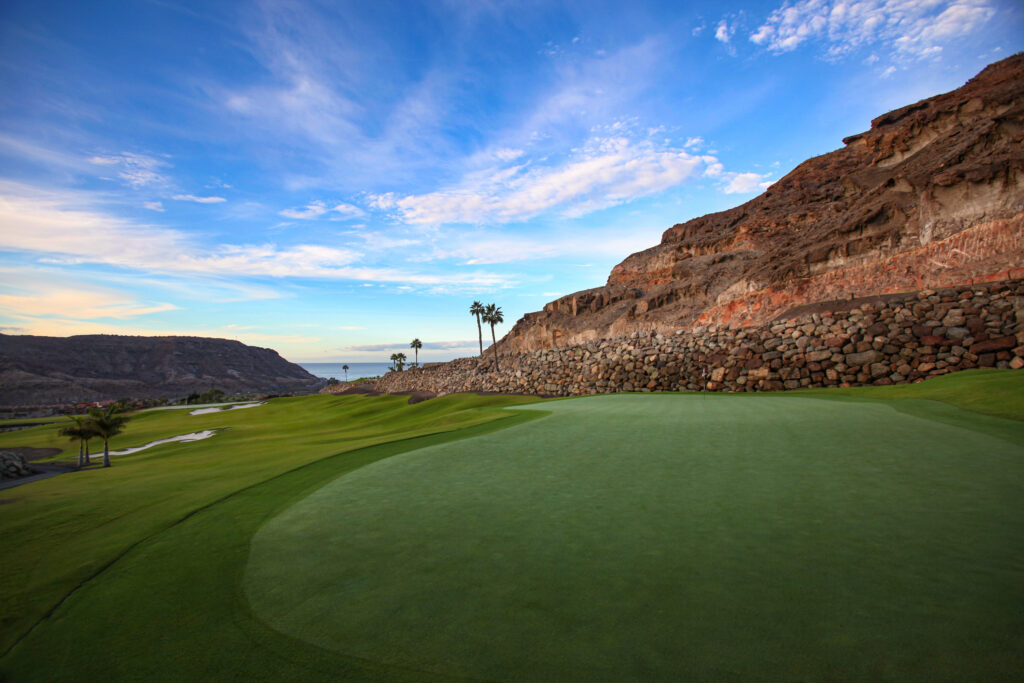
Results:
<point x="932" y="195"/>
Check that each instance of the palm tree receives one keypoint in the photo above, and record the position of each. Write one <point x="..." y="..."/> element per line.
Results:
<point x="416" y="345"/>
<point x="493" y="316"/>
<point x="106" y="424"/>
<point x="400" y="360"/>
<point x="345" y="368"/>
<point x="478" y="310"/>
<point x="82" y="431"/>
<point x="394" y="361"/>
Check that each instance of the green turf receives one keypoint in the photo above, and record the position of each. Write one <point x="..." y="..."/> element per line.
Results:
<point x="807" y="538"/>
<point x="58" y="532"/>
<point x="990" y="392"/>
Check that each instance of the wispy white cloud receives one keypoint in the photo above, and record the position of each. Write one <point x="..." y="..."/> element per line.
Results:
<point x="312" y="210"/>
<point x="154" y="206"/>
<point x="743" y="183"/>
<point x="507" y="154"/>
<point x="319" y="208"/>
<point x="198" y="200"/>
<point x="911" y="28"/>
<point x="63" y="327"/>
<point x="589" y="92"/>
<point x="605" y="172"/>
<point x="343" y="211"/>
<point x="46" y="156"/>
<point x="64" y="226"/>
<point x="724" y="32"/>
<point x="496" y="245"/>
<point x="137" y="170"/>
<point x="316" y="98"/>
<point x="35" y="297"/>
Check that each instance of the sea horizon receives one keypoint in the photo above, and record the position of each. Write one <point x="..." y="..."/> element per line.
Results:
<point x="356" y="370"/>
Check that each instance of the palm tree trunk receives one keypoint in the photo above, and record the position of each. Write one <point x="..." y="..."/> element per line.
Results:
<point x="480" y="333"/>
<point x="88" y="460"/>
<point x="495" y="348"/>
<point x="81" y="452"/>
<point x="106" y="453"/>
<point x="417" y="357"/>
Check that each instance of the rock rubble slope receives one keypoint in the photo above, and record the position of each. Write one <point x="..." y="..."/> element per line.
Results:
<point x="931" y="196"/>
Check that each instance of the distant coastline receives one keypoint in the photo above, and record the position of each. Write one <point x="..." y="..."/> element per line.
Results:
<point x="355" y="370"/>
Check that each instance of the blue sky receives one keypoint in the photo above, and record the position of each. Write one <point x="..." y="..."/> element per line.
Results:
<point x="334" y="179"/>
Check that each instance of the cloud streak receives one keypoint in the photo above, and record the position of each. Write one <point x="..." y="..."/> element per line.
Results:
<point x="459" y="345"/>
<point x="605" y="172"/>
<point x="912" y="28"/>
<point x="137" y="170"/>
<point x="745" y="183"/>
<point x="78" y="302"/>
<point x="55" y="223"/>
<point x="198" y="200"/>
<point x="63" y="327"/>
<point x="318" y="208"/>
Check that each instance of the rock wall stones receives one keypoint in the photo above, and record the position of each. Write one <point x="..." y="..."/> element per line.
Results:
<point x="880" y="340"/>
<point x="13" y="466"/>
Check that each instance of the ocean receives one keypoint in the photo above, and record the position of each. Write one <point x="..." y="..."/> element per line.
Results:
<point x="355" y="370"/>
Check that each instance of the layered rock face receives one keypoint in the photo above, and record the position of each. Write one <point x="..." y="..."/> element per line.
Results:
<point x="931" y="196"/>
<point x="43" y="370"/>
<point x="891" y="339"/>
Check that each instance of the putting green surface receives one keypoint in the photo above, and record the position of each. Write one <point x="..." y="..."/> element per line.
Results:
<point x="663" y="536"/>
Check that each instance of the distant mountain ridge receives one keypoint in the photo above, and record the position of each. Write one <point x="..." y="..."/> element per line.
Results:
<point x="40" y="370"/>
<point x="931" y="196"/>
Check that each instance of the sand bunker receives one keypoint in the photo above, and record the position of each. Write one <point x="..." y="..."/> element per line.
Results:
<point x="194" y="436"/>
<point x="204" y="411"/>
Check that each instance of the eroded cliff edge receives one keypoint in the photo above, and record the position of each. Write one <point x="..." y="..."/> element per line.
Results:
<point x="931" y="196"/>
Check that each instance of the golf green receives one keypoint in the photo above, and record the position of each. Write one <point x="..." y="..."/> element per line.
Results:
<point x="661" y="536"/>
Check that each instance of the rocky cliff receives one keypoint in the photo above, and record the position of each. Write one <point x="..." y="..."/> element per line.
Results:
<point x="932" y="195"/>
<point x="36" y="370"/>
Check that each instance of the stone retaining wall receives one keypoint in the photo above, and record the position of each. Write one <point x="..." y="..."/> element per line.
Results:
<point x="891" y="340"/>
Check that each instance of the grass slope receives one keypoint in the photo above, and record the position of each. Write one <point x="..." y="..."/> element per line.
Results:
<point x="57" y="533"/>
<point x="990" y="392"/>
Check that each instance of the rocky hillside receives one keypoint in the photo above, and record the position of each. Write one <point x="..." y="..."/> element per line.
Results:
<point x="890" y="339"/>
<point x="37" y="370"/>
<point x="931" y="196"/>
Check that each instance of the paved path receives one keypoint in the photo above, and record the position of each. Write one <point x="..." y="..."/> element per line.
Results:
<point x="44" y="472"/>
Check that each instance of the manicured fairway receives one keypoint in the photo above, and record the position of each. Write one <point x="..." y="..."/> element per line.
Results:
<point x="60" y="532"/>
<point x="615" y="537"/>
